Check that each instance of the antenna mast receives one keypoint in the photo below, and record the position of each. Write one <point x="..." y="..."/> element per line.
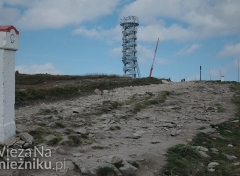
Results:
<point x="150" y="74"/>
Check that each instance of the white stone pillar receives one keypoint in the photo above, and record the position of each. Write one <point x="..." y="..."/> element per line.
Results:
<point x="8" y="46"/>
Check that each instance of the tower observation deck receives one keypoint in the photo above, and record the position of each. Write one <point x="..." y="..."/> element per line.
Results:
<point x="129" y="59"/>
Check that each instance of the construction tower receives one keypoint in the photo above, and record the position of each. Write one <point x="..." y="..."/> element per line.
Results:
<point x="129" y="59"/>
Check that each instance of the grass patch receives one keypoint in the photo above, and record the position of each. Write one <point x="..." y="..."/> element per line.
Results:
<point x="41" y="124"/>
<point x="135" y="164"/>
<point x="97" y="147"/>
<point x="39" y="135"/>
<point x="220" y="109"/>
<point x="113" y="128"/>
<point x="28" y="87"/>
<point x="60" y="124"/>
<point x="147" y="101"/>
<point x="73" y="141"/>
<point x="106" y="171"/>
<point x="54" y="141"/>
<point x="118" y="165"/>
<point x="185" y="160"/>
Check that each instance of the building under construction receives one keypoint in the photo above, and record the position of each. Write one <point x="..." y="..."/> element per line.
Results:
<point x="129" y="59"/>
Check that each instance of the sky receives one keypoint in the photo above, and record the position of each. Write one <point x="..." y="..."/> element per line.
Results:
<point x="79" y="37"/>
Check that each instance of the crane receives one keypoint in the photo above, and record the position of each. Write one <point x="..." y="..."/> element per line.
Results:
<point x="150" y="74"/>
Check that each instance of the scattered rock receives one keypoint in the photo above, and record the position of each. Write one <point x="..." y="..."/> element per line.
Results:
<point x="19" y="144"/>
<point x="209" y="108"/>
<point x="127" y="169"/>
<point x="51" y="125"/>
<point x="208" y="129"/>
<point x="203" y="154"/>
<point x="236" y="164"/>
<point x="200" y="148"/>
<point x="214" y="150"/>
<point x="49" y="137"/>
<point x="175" y="132"/>
<point x="82" y="131"/>
<point x="169" y="125"/>
<point x="230" y="157"/>
<point x="155" y="141"/>
<point x="75" y="111"/>
<point x="165" y="81"/>
<point x="77" y="154"/>
<point x="26" y="137"/>
<point x="98" y="92"/>
<point x="61" y="151"/>
<point x="114" y="159"/>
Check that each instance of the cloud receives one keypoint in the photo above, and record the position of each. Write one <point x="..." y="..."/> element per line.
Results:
<point x="113" y="34"/>
<point x="8" y="15"/>
<point x="163" y="61"/>
<point x="186" y="19"/>
<point x="44" y="14"/>
<point x="35" y="69"/>
<point x="216" y="72"/>
<point x="116" y="52"/>
<point x="230" y="50"/>
<point x="150" y="33"/>
<point x="188" y="49"/>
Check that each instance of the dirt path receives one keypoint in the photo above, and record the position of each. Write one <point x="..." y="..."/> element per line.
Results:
<point x="141" y="138"/>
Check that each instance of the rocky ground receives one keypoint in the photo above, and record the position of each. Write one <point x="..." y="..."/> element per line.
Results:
<point x="110" y="130"/>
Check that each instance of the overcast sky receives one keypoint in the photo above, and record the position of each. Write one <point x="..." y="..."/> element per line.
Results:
<point x="78" y="37"/>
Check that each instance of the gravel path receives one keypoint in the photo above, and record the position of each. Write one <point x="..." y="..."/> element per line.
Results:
<point x="141" y="138"/>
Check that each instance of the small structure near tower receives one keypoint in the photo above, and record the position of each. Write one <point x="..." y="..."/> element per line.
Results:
<point x="129" y="59"/>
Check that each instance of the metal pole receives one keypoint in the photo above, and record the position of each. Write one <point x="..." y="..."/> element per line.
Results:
<point x="210" y="74"/>
<point x="200" y="73"/>
<point x="238" y="70"/>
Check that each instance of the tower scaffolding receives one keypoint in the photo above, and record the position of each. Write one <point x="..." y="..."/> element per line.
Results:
<point x="129" y="59"/>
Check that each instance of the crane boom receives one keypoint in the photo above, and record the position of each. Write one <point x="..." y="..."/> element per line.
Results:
<point x="150" y="74"/>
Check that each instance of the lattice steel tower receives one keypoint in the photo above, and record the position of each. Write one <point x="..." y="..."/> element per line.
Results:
<point x="129" y="59"/>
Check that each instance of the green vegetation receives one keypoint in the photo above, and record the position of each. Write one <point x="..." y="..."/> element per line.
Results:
<point x="135" y="164"/>
<point x="220" y="109"/>
<point x="28" y="89"/>
<point x="106" y="171"/>
<point x="118" y="165"/>
<point x="39" y="135"/>
<point x="149" y="101"/>
<point x="97" y="147"/>
<point x="73" y="141"/>
<point x="41" y="123"/>
<point x="54" y="141"/>
<point x="185" y="160"/>
<point x="60" y="124"/>
<point x="113" y="128"/>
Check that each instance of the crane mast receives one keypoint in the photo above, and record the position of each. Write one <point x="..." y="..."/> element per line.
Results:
<point x="151" y="69"/>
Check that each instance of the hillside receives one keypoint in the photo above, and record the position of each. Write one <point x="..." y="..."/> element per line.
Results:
<point x="129" y="128"/>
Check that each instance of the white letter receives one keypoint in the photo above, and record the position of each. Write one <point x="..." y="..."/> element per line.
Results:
<point x="2" y="163"/>
<point x="61" y="164"/>
<point x="20" y="154"/>
<point x="36" y="150"/>
<point x="13" y="165"/>
<point x="2" y="152"/>
<point x="48" y="154"/>
<point x="28" y="153"/>
<point x="12" y="152"/>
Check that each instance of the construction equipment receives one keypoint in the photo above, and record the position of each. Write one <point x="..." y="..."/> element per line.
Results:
<point x="150" y="74"/>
